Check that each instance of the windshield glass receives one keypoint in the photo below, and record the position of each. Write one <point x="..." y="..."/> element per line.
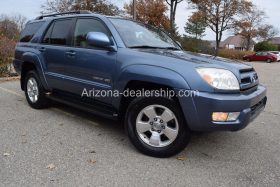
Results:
<point x="135" y="34"/>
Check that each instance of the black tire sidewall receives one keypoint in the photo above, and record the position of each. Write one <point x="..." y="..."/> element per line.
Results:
<point x="183" y="135"/>
<point x="42" y="100"/>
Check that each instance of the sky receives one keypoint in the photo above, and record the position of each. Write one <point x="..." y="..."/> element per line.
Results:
<point x="32" y="8"/>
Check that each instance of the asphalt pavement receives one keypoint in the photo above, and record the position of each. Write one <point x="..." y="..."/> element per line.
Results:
<point x="62" y="146"/>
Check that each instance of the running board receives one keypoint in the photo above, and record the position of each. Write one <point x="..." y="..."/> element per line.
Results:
<point x="96" y="109"/>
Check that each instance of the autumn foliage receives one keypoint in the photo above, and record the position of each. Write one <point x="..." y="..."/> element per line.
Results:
<point x="152" y="12"/>
<point x="7" y="47"/>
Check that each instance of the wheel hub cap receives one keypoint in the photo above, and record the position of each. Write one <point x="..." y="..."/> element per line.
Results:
<point x="157" y="126"/>
<point x="32" y="90"/>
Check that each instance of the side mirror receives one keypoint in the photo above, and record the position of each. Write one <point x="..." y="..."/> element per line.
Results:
<point x="98" y="39"/>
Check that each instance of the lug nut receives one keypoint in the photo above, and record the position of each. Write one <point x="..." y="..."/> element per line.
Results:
<point x="159" y="131"/>
<point x="151" y="123"/>
<point x="155" y="119"/>
<point x="163" y="127"/>
<point x="153" y="129"/>
<point x="161" y="121"/>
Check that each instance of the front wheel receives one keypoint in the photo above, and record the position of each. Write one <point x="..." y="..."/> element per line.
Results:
<point x="156" y="126"/>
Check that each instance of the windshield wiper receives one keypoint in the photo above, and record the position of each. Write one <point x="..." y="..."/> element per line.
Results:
<point x="153" y="47"/>
<point x="145" y="46"/>
<point x="171" y="48"/>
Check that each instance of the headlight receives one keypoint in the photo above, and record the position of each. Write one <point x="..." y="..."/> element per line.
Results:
<point x="219" y="78"/>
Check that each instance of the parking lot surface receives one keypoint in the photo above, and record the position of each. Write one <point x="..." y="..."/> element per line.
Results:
<point x="62" y="146"/>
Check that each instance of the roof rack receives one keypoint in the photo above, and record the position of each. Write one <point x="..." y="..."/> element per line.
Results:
<point x="64" y="13"/>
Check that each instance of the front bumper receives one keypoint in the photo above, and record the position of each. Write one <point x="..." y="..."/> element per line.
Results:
<point x="198" y="110"/>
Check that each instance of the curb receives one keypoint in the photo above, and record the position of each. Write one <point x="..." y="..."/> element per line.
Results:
<point x="2" y="79"/>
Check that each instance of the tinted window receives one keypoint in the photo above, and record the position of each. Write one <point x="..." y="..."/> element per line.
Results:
<point x="29" y="31"/>
<point x="60" y="32"/>
<point x="47" y="36"/>
<point x="83" y="27"/>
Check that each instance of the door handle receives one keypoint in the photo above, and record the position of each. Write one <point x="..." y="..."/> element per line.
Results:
<point x="70" y="53"/>
<point x="42" y="49"/>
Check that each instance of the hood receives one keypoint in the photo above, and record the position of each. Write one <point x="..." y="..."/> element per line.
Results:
<point x="199" y="59"/>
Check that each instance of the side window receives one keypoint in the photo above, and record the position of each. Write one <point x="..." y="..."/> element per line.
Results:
<point x="83" y="27"/>
<point x="47" y="37"/>
<point x="58" y="33"/>
<point x="29" y="31"/>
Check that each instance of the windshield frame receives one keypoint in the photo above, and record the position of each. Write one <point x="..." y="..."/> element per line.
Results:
<point x="175" y="43"/>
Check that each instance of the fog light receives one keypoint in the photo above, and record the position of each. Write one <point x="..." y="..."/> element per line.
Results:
<point x="233" y="116"/>
<point x="225" y="116"/>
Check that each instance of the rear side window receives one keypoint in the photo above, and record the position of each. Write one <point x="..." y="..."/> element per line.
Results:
<point x="58" y="33"/>
<point x="29" y="31"/>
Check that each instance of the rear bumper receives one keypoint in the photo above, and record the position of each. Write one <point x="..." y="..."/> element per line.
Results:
<point x="198" y="111"/>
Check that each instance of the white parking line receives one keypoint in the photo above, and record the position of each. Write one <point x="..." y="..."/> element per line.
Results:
<point x="11" y="92"/>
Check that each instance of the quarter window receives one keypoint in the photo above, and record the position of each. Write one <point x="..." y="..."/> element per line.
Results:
<point x="29" y="31"/>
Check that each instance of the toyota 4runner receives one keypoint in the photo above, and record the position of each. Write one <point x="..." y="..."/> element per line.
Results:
<point x="70" y="57"/>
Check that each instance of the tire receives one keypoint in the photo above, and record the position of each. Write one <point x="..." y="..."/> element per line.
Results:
<point x="37" y="89"/>
<point x="268" y="60"/>
<point x="148" y="141"/>
<point x="248" y="60"/>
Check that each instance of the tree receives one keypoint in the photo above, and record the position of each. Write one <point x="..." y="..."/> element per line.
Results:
<point x="7" y="47"/>
<point x="20" y="20"/>
<point x="266" y="32"/>
<point x="98" y="6"/>
<point x="11" y="26"/>
<point x="219" y="15"/>
<point x="265" y="46"/>
<point x="152" y="12"/>
<point x="173" y="4"/>
<point x="196" y="45"/>
<point x="196" y="25"/>
<point x="57" y="6"/>
<point x="251" y="26"/>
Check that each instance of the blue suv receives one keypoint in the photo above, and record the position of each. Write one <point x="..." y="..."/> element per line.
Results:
<point x="129" y="71"/>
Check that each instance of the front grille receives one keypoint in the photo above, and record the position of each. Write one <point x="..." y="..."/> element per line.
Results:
<point x="248" y="80"/>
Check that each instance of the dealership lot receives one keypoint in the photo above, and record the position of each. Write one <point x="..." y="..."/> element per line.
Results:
<point x="62" y="146"/>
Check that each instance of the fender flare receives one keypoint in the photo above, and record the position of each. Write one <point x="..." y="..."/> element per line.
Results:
<point x="40" y="67"/>
<point x="151" y="74"/>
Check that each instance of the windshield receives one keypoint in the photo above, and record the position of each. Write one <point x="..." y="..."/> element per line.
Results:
<point x="135" y="34"/>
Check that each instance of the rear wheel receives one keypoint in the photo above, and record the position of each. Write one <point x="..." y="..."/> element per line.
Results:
<point x="34" y="91"/>
<point x="268" y="60"/>
<point x="156" y="126"/>
<point x="248" y="60"/>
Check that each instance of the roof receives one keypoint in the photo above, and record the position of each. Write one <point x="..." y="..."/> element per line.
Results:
<point x="275" y="40"/>
<point x="237" y="41"/>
